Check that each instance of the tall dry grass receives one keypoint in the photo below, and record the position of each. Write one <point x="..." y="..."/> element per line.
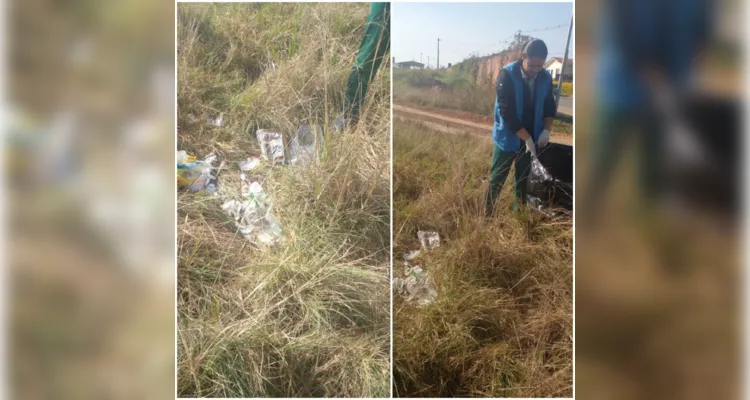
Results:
<point x="502" y="324"/>
<point x="455" y="90"/>
<point x="308" y="317"/>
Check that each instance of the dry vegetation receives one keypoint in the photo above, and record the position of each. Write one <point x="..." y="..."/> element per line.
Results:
<point x="309" y="317"/>
<point x="502" y="324"/>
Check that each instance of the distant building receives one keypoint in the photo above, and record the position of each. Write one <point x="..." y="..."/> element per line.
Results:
<point x="410" y="65"/>
<point x="554" y="67"/>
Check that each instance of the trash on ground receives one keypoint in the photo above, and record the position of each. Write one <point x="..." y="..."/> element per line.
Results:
<point x="253" y="215"/>
<point x="250" y="164"/>
<point x="184" y="158"/>
<point x="411" y="255"/>
<point x="416" y="287"/>
<point x="271" y="145"/>
<point x="340" y="124"/>
<point x="216" y="121"/>
<point x="195" y="176"/>
<point x="429" y="240"/>
<point x="303" y="148"/>
<point x="550" y="181"/>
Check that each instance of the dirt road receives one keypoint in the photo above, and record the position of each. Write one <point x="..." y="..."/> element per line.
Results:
<point x="451" y="121"/>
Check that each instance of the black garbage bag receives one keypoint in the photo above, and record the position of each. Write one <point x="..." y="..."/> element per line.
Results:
<point x="550" y="182"/>
<point x="709" y="179"/>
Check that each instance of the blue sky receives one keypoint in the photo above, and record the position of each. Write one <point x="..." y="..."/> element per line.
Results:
<point x="465" y="28"/>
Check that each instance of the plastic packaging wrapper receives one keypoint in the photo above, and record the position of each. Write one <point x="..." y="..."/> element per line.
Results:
<point x="550" y="182"/>
<point x="429" y="240"/>
<point x="195" y="176"/>
<point x="304" y="146"/>
<point x="271" y="145"/>
<point x="250" y="164"/>
<point x="216" y="122"/>
<point x="253" y="215"/>
<point x="417" y="287"/>
<point x="411" y="255"/>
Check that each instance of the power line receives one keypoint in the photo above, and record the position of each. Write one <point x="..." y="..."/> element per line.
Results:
<point x="505" y="41"/>
<point x="550" y="28"/>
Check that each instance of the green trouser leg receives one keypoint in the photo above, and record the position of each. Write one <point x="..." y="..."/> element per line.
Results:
<point x="501" y="163"/>
<point x="374" y="48"/>
<point x="613" y="128"/>
<point x="652" y="145"/>
<point x="607" y="144"/>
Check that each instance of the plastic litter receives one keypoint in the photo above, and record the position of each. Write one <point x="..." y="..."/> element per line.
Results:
<point x="271" y="145"/>
<point x="184" y="158"/>
<point x="340" y="124"/>
<point x="429" y="240"/>
<point x="411" y="255"/>
<point x="195" y="176"/>
<point x="253" y="215"/>
<point x="550" y="183"/>
<point x="250" y="164"/>
<point x="217" y="122"/>
<point x="416" y="287"/>
<point x="303" y="149"/>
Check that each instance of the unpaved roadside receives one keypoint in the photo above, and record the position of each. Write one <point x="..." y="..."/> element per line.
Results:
<point x="440" y="120"/>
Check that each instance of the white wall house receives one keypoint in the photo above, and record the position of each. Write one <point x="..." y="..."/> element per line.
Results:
<point x="554" y="67"/>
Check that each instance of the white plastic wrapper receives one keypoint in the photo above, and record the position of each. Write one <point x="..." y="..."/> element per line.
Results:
<point x="416" y="287"/>
<point x="271" y="145"/>
<point x="253" y="215"/>
<point x="250" y="164"/>
<point x="429" y="240"/>
<point x="305" y="144"/>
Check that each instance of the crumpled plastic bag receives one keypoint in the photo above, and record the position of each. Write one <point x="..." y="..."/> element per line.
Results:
<point x="253" y="215"/>
<point x="250" y="164"/>
<point x="416" y="287"/>
<point x="271" y="145"/>
<point x="305" y="144"/>
<point x="429" y="240"/>
<point x="195" y="176"/>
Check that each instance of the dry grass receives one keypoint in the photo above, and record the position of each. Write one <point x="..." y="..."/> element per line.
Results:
<point x="452" y="90"/>
<point x="502" y="325"/>
<point x="309" y="317"/>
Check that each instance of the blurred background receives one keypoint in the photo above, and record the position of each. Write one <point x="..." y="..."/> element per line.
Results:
<point x="90" y="199"/>
<point x="89" y="160"/>
<point x="658" y="160"/>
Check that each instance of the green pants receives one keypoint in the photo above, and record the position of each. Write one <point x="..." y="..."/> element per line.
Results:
<point x="501" y="163"/>
<point x="614" y="129"/>
<point x="374" y="48"/>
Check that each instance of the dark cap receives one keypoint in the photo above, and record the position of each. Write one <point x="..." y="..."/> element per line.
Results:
<point x="535" y="48"/>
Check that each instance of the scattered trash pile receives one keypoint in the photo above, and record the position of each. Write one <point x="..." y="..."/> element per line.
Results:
<point x="195" y="176"/>
<point x="550" y="182"/>
<point x="247" y="203"/>
<point x="417" y="288"/>
<point x="253" y="214"/>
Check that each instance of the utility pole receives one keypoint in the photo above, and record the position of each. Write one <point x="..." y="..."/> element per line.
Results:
<point x="420" y="57"/>
<point x="438" y="59"/>
<point x="428" y="62"/>
<point x="565" y="61"/>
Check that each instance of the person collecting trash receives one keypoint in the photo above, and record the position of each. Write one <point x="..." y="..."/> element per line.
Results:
<point x="524" y="111"/>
